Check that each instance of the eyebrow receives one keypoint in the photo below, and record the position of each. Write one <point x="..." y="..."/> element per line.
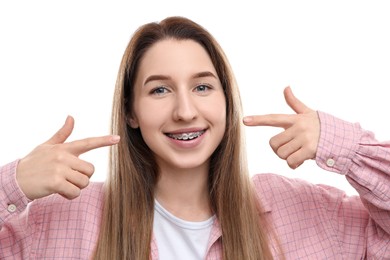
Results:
<point x="202" y="74"/>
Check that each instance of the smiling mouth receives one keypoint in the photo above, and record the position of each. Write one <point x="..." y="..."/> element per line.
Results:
<point x="186" y="136"/>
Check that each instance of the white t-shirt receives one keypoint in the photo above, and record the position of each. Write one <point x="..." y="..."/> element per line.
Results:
<point x="180" y="239"/>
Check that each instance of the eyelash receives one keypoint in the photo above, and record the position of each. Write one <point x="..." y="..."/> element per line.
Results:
<point x="207" y="87"/>
<point x="154" y="91"/>
<point x="159" y="88"/>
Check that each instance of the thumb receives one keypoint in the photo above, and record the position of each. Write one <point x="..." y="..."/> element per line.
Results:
<point x="63" y="133"/>
<point x="294" y="102"/>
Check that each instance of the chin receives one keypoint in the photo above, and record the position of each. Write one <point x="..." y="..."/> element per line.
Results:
<point x="190" y="165"/>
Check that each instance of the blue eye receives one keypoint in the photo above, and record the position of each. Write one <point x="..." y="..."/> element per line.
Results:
<point x="202" y="88"/>
<point x="159" y="91"/>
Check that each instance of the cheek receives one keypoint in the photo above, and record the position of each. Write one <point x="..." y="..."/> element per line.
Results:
<point x="215" y="113"/>
<point x="217" y="110"/>
<point x="150" y="116"/>
<point x="149" y="126"/>
<point x="222" y="115"/>
<point x="148" y="120"/>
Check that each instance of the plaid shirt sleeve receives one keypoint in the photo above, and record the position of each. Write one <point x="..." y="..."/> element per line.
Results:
<point x="13" y="217"/>
<point x="12" y="199"/>
<point x="48" y="228"/>
<point x="346" y="149"/>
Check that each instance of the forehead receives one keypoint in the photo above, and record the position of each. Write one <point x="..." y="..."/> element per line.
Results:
<point x="172" y="56"/>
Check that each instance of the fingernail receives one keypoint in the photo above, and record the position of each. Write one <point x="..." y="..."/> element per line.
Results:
<point x="115" y="138"/>
<point x="247" y="119"/>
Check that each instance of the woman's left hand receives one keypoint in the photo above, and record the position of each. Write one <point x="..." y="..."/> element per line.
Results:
<point x="299" y="140"/>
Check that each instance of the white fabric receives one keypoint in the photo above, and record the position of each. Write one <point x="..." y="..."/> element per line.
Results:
<point x="180" y="239"/>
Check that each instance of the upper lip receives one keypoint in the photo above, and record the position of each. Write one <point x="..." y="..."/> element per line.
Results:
<point x="186" y="130"/>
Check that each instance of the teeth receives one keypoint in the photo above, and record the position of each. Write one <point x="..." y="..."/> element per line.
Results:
<point x="186" y="136"/>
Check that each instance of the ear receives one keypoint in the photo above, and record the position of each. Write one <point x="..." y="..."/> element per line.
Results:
<point x="132" y="121"/>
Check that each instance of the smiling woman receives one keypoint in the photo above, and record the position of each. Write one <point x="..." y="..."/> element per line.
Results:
<point x="178" y="185"/>
<point x="188" y="178"/>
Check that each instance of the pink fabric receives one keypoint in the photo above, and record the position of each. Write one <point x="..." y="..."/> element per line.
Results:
<point x="311" y="221"/>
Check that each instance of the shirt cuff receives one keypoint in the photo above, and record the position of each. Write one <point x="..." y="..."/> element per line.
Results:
<point x="338" y="143"/>
<point x="12" y="197"/>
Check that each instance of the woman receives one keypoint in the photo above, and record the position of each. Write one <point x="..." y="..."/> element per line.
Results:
<point x="178" y="186"/>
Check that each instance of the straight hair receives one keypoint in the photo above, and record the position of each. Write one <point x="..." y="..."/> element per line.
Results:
<point x="127" y="217"/>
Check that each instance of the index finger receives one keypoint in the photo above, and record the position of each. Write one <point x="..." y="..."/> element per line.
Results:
<point x="275" y="120"/>
<point x="84" y="145"/>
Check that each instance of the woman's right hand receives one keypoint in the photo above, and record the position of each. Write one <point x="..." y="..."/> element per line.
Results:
<point x="55" y="166"/>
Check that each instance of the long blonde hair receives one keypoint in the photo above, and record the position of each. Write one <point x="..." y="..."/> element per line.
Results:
<point x="127" y="221"/>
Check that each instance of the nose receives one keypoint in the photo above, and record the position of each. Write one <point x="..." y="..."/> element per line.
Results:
<point x="185" y="107"/>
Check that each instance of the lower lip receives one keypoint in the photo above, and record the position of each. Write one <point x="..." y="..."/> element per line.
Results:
<point x="188" y="144"/>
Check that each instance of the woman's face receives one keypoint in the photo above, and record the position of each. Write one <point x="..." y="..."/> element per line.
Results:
<point x="179" y="104"/>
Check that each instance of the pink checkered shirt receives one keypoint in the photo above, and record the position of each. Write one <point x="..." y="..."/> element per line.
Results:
<point x="311" y="221"/>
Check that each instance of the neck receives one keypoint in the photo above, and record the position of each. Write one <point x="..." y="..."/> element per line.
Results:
<point x="184" y="193"/>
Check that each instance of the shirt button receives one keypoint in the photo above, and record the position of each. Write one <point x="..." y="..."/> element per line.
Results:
<point x="11" y="208"/>
<point x="330" y="162"/>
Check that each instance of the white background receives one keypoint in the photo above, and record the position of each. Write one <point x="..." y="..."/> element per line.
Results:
<point x="61" y="57"/>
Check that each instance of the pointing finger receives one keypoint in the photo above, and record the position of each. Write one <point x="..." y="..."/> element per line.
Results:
<point x="81" y="146"/>
<point x="275" y="120"/>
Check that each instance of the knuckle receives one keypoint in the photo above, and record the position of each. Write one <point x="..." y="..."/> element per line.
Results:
<point x="58" y="155"/>
<point x="87" y="168"/>
<point x="282" y="153"/>
<point x="292" y="163"/>
<point x="57" y="175"/>
<point x="302" y="126"/>
<point x="72" y="194"/>
<point x="90" y="169"/>
<point x="272" y="142"/>
<point x="291" y="166"/>
<point x="84" y="181"/>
